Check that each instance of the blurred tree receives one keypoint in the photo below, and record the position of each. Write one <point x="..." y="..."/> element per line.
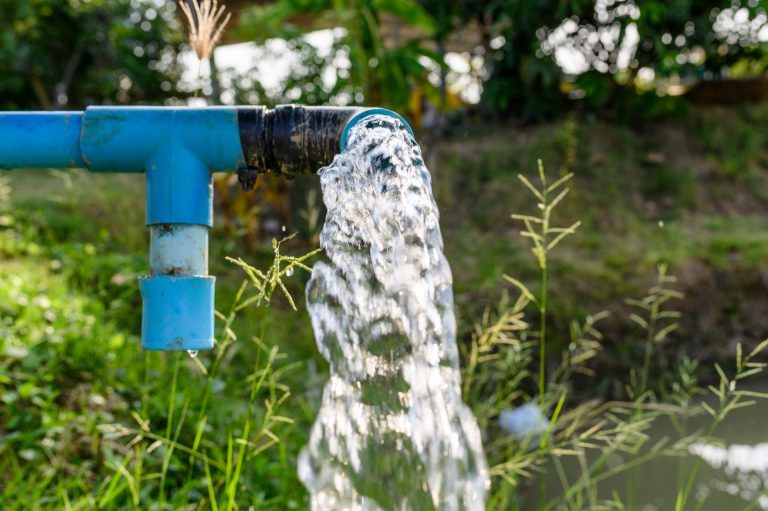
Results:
<point x="519" y="82"/>
<point x="447" y="18"/>
<point x="607" y="52"/>
<point x="307" y="80"/>
<point x="380" y="72"/>
<point x="70" y="53"/>
<point x="622" y="50"/>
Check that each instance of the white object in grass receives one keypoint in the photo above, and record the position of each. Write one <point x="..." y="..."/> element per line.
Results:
<point x="524" y="422"/>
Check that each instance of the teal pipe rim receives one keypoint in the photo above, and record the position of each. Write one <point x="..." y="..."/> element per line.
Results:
<point x="365" y="113"/>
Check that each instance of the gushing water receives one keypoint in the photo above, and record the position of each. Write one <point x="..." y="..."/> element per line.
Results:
<point x="392" y="432"/>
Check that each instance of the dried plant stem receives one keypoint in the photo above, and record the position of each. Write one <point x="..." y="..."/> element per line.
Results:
<point x="543" y="296"/>
<point x="207" y="20"/>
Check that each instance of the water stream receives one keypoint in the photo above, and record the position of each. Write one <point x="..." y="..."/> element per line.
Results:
<point x="392" y="432"/>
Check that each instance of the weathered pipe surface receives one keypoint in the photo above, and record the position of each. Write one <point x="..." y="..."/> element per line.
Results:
<point x="178" y="250"/>
<point x="292" y="139"/>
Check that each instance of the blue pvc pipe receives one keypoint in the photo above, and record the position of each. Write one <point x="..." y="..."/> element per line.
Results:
<point x="40" y="140"/>
<point x="124" y="139"/>
<point x="178" y="148"/>
<point x="177" y="312"/>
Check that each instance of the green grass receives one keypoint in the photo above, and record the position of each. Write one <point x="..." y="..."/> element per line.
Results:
<point x="89" y="421"/>
<point x="645" y="195"/>
<point x="509" y="362"/>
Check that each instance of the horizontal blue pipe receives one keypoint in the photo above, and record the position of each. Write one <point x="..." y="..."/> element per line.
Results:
<point x="40" y="140"/>
<point x="178" y="148"/>
<point x="132" y="139"/>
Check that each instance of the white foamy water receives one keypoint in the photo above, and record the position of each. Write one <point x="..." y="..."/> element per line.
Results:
<point x="392" y="432"/>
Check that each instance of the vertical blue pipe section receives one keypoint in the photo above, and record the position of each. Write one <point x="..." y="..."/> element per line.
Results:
<point x="179" y="187"/>
<point x="178" y="296"/>
<point x="40" y="140"/>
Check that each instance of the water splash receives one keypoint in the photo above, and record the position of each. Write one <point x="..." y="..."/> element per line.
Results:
<point x="392" y="432"/>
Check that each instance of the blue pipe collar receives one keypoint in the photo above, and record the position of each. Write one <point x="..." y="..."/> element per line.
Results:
<point x="177" y="312"/>
<point x="365" y="113"/>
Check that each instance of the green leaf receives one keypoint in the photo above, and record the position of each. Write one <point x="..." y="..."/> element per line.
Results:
<point x="408" y="11"/>
<point x="560" y="237"/>
<point x="559" y="182"/>
<point x="708" y="409"/>
<point x="664" y="332"/>
<point x="758" y="349"/>
<point x="640" y="321"/>
<point x="555" y="416"/>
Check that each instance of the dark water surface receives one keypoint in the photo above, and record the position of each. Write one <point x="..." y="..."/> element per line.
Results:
<point x="732" y="473"/>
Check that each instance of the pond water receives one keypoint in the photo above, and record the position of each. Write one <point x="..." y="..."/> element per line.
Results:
<point x="733" y="467"/>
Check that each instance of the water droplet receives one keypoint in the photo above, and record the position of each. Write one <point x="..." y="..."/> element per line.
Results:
<point x="192" y="353"/>
<point x="283" y="228"/>
<point x="289" y="272"/>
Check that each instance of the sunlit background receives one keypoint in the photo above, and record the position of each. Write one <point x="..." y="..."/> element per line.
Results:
<point x="659" y="108"/>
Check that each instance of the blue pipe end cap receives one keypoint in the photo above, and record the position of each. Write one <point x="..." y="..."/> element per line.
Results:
<point x="177" y="313"/>
<point x="365" y="113"/>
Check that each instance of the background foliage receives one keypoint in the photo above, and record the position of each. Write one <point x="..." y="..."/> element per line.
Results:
<point x="61" y="54"/>
<point x="663" y="187"/>
<point x="73" y="53"/>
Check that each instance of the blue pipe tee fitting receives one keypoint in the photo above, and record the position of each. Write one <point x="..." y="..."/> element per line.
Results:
<point x="178" y="149"/>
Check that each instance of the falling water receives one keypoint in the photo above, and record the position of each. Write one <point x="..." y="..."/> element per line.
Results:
<point x="392" y="432"/>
